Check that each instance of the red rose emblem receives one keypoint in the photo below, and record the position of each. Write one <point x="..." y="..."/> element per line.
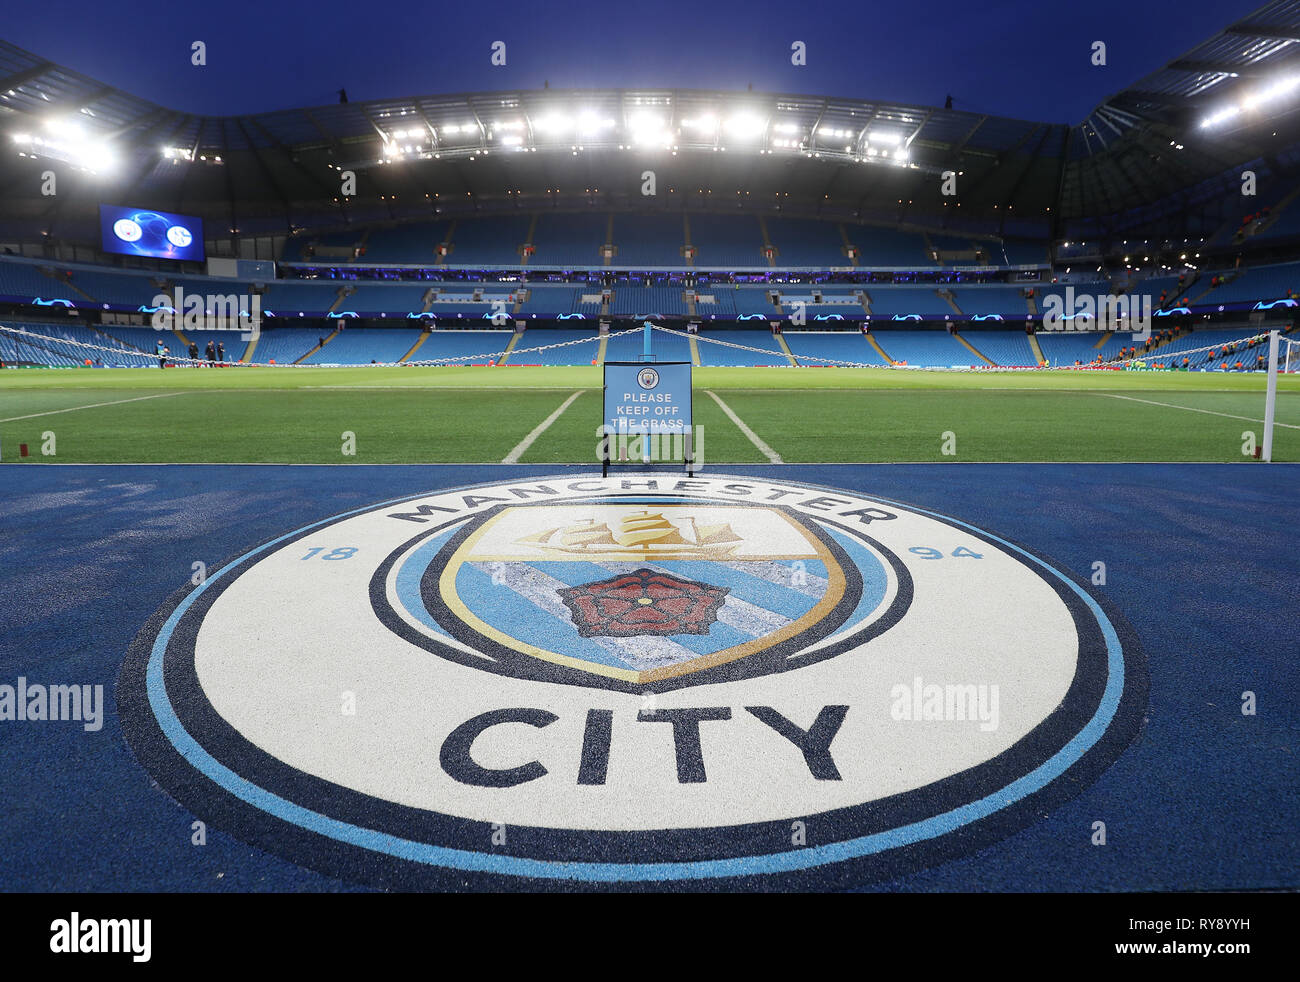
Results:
<point x="643" y="602"/>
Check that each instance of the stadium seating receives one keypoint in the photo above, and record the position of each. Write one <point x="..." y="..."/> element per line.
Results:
<point x="1067" y="347"/>
<point x="392" y="299"/>
<point x="727" y="240"/>
<point x="1002" y="347"/>
<point x="638" y="301"/>
<point x="568" y="239"/>
<point x="717" y="354"/>
<point x="406" y="243"/>
<point x="881" y="246"/>
<point x="811" y="347"/>
<point x="804" y="242"/>
<point x="649" y="240"/>
<point x="1260" y="283"/>
<point x="573" y="354"/>
<point x="666" y="347"/>
<point x="287" y="297"/>
<point x="905" y="300"/>
<point x="752" y="300"/>
<point x="360" y="346"/>
<point x="931" y="349"/>
<point x="475" y="347"/>
<point x="59" y="352"/>
<point x="979" y="301"/>
<point x="489" y="241"/>
<point x="25" y="280"/>
<point x="285" y="345"/>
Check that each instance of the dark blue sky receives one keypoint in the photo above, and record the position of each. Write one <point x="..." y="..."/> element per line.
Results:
<point x="1029" y="60"/>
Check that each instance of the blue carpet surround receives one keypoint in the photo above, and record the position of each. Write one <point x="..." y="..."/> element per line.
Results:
<point x="1199" y="559"/>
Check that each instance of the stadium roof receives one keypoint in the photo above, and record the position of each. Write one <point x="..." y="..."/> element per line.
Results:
<point x="496" y="151"/>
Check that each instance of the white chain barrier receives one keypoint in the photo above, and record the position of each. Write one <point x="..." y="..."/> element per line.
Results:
<point x="1157" y="355"/>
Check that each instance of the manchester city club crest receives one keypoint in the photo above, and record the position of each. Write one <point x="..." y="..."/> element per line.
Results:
<point x="631" y="682"/>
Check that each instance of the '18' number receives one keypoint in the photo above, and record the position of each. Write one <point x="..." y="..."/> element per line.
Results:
<point x="342" y="552"/>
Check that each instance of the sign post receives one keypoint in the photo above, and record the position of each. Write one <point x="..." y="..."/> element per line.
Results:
<point x="647" y="407"/>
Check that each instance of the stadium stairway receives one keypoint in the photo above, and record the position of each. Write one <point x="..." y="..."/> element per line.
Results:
<point x="247" y="357"/>
<point x="505" y="355"/>
<point x="786" y="348"/>
<point x="52" y="274"/>
<point x="686" y="237"/>
<point x="848" y="243"/>
<point x="1101" y="343"/>
<point x="183" y="339"/>
<point x="952" y="301"/>
<point x="424" y="336"/>
<point x="871" y="339"/>
<point x="1038" y="352"/>
<point x="974" y="350"/>
<point x="771" y="259"/>
<point x="695" y="349"/>
<point x="316" y="348"/>
<point x="600" y="351"/>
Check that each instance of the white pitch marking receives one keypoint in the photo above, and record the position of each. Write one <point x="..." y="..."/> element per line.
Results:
<point x="513" y="456"/>
<point x="94" y="405"/>
<point x="772" y="456"/>
<point x="1190" y="409"/>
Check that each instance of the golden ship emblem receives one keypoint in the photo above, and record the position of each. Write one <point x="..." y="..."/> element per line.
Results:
<point x="643" y="533"/>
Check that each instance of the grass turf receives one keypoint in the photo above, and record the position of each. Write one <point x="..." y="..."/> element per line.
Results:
<point x="415" y="415"/>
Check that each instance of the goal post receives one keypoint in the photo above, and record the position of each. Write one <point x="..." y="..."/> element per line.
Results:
<point x="1270" y="397"/>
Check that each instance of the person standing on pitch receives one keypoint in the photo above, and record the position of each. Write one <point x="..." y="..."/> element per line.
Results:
<point x="221" y="352"/>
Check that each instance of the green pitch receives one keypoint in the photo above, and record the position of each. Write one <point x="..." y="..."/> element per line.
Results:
<point x="471" y="415"/>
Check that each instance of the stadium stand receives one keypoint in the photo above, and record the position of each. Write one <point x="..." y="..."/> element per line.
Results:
<point x="568" y="239"/>
<point x="980" y="300"/>
<point x="811" y="347"/>
<point x="804" y="242"/>
<point x="752" y="300"/>
<point x="1260" y="283"/>
<point x="905" y="300"/>
<point x="888" y="247"/>
<point x="406" y="243"/>
<point x="1067" y="347"/>
<point x="573" y="354"/>
<point x="360" y="346"/>
<point x="1002" y="347"/>
<point x="25" y="280"/>
<point x="550" y="301"/>
<point x="930" y="349"/>
<point x="285" y="297"/>
<point x="667" y="347"/>
<point x="489" y="241"/>
<point x="637" y="301"/>
<point x="717" y="354"/>
<point x="393" y="299"/>
<point x="650" y="240"/>
<point x="285" y="345"/>
<point x="727" y="240"/>
<point x="469" y="345"/>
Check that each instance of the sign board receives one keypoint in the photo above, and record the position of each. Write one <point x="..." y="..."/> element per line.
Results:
<point x="648" y="397"/>
<point x="648" y="405"/>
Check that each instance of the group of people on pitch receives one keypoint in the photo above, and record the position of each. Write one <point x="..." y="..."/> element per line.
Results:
<point x="215" y="354"/>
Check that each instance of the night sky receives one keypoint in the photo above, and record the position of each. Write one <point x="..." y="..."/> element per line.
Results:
<point x="1027" y="60"/>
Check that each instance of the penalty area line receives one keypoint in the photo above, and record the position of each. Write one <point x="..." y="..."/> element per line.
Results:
<point x="1193" y="409"/>
<point x="513" y="456"/>
<point x="772" y="456"/>
<point x="95" y="405"/>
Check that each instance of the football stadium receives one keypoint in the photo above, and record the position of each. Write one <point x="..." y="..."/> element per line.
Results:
<point x="533" y="486"/>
